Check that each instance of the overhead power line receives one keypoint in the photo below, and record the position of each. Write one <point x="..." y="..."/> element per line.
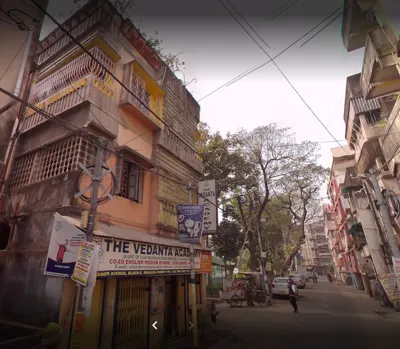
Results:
<point x="252" y="70"/>
<point x="14" y="58"/>
<point x="284" y="10"/>
<point x="282" y="73"/>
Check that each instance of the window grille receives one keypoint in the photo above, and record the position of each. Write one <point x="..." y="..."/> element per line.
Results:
<point x="53" y="160"/>
<point x="138" y="88"/>
<point x="372" y="116"/>
<point x="131" y="182"/>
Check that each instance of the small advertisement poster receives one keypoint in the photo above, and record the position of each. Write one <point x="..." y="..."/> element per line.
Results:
<point x="84" y="262"/>
<point x="129" y="258"/>
<point x="208" y="197"/>
<point x="63" y="248"/>
<point x="396" y="267"/>
<point x="205" y="262"/>
<point x="190" y="223"/>
<point x="389" y="284"/>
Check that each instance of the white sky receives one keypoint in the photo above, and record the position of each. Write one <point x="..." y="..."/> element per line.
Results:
<point x="216" y="49"/>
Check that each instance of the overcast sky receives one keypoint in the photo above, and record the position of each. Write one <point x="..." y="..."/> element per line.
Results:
<point x="216" y="49"/>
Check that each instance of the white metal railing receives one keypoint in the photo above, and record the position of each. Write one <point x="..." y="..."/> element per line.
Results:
<point x="172" y="143"/>
<point x="72" y="72"/>
<point x="138" y="88"/>
<point x="87" y="89"/>
<point x="57" y="40"/>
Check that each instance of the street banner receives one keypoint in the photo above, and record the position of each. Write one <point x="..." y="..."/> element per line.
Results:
<point x="208" y="197"/>
<point x="63" y="248"/>
<point x="128" y="258"/>
<point x="190" y="223"/>
<point x="205" y="262"/>
<point x="84" y="262"/>
<point x="389" y="284"/>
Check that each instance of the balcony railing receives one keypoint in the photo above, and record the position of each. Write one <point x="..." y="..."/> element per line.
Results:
<point x="88" y="89"/>
<point x="379" y="76"/>
<point x="173" y="144"/>
<point x="57" y="158"/>
<point x="57" y="40"/>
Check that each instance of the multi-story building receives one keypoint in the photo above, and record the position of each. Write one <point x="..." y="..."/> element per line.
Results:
<point x="150" y="127"/>
<point x="331" y="235"/>
<point x="315" y="248"/>
<point x="342" y="158"/>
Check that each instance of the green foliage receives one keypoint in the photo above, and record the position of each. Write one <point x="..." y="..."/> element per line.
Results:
<point x="228" y="242"/>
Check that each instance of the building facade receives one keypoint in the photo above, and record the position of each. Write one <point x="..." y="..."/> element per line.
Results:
<point x="315" y="250"/>
<point x="149" y="123"/>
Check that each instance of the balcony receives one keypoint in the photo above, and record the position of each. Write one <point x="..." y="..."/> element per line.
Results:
<point x="368" y="154"/>
<point x="145" y="101"/>
<point x="79" y="81"/>
<point x="389" y="142"/>
<point x="358" y="20"/>
<point x="380" y="75"/>
<point x="174" y="145"/>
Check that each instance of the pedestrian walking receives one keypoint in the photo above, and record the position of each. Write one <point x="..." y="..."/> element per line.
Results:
<point x="292" y="295"/>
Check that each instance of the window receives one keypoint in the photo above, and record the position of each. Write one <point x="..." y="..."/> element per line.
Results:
<point x="131" y="182"/>
<point x="372" y="116"/>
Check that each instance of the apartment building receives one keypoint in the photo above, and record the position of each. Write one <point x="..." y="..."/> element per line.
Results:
<point x="342" y="158"/>
<point x="331" y="236"/>
<point x="315" y="250"/>
<point x="150" y="128"/>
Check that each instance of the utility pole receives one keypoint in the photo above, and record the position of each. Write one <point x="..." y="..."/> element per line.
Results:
<point x="384" y="214"/>
<point x="193" y="285"/>
<point x="95" y="185"/>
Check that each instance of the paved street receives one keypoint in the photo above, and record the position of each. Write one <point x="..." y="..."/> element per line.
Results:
<point x="331" y="316"/>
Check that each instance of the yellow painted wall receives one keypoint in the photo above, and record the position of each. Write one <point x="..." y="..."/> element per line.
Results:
<point x="108" y="316"/>
<point x="90" y="336"/>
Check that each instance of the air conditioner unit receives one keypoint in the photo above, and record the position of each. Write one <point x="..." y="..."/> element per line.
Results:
<point x="383" y="172"/>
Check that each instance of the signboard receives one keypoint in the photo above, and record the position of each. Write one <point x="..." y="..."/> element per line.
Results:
<point x="205" y="262"/>
<point x="190" y="223"/>
<point x="389" y="284"/>
<point x="268" y="266"/>
<point x="84" y="262"/>
<point x="129" y="258"/>
<point x="63" y="248"/>
<point x="396" y="267"/>
<point x="208" y="198"/>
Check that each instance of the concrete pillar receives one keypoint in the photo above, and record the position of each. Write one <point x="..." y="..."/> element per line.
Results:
<point x="367" y="221"/>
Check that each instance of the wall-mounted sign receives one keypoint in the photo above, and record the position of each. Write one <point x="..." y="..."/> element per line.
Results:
<point x="190" y="223"/>
<point x="63" y="248"/>
<point x="84" y="262"/>
<point x="205" y="262"/>
<point x="128" y="258"/>
<point x="208" y="198"/>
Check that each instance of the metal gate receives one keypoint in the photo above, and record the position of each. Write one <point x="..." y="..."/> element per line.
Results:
<point x="132" y="310"/>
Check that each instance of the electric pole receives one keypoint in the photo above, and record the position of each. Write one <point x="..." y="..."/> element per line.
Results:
<point x="383" y="209"/>
<point x="193" y="284"/>
<point x="95" y="185"/>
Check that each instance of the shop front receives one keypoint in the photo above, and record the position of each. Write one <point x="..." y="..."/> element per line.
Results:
<point x="141" y="296"/>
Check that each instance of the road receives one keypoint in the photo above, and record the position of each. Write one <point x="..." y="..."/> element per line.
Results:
<point x="331" y="316"/>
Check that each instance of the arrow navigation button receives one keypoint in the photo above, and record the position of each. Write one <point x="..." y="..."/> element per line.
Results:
<point x="154" y="325"/>
<point x="190" y="325"/>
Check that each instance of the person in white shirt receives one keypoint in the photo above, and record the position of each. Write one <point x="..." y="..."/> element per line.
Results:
<point x="292" y="295"/>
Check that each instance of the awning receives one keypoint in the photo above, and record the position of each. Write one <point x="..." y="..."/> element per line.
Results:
<point x="115" y="232"/>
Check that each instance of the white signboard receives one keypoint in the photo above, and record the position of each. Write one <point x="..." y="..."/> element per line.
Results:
<point x="128" y="258"/>
<point x="208" y="198"/>
<point x="396" y="269"/>
<point x="84" y="262"/>
<point x="63" y="248"/>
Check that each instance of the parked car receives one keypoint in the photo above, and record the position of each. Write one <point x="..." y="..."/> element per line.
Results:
<point x="280" y="287"/>
<point x="298" y="280"/>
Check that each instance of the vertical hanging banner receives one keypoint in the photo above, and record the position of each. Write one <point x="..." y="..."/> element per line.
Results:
<point x="190" y="223"/>
<point x="84" y="262"/>
<point x="208" y="197"/>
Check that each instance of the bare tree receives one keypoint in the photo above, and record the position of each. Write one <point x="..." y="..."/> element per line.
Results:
<point x="301" y="197"/>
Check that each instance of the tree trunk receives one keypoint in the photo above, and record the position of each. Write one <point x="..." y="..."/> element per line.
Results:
<point x="293" y="253"/>
<point x="253" y="251"/>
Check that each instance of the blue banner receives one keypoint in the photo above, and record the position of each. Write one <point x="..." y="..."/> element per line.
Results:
<point x="190" y="223"/>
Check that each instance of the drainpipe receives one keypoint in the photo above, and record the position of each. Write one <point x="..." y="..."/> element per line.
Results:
<point x="14" y="135"/>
